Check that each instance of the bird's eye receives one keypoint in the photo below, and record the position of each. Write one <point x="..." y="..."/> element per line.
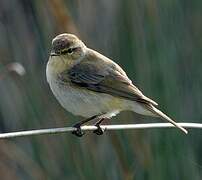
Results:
<point x="70" y="50"/>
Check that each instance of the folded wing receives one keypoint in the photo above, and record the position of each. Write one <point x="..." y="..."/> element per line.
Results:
<point x="107" y="79"/>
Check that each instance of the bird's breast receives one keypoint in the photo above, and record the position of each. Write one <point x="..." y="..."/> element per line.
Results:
<point x="81" y="101"/>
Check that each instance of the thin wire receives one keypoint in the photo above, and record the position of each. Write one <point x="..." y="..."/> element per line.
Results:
<point x="91" y="128"/>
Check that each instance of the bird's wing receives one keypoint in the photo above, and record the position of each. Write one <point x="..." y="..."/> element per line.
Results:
<point x="110" y="79"/>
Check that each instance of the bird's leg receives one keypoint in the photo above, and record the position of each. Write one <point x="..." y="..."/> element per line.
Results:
<point x="78" y="132"/>
<point x="99" y="130"/>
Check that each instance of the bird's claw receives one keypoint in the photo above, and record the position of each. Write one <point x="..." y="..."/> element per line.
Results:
<point x="99" y="130"/>
<point x="78" y="132"/>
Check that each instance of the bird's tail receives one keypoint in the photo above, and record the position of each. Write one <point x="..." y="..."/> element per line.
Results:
<point x="157" y="112"/>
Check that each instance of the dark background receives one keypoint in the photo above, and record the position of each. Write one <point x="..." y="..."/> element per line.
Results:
<point x="157" y="42"/>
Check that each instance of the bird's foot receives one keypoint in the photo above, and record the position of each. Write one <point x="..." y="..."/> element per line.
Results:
<point x="78" y="132"/>
<point x="99" y="130"/>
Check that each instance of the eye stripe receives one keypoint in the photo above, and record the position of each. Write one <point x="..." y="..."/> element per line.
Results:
<point x="69" y="51"/>
<point x="64" y="51"/>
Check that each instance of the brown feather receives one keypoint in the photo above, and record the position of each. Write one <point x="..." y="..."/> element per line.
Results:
<point x="164" y="116"/>
<point x="100" y="74"/>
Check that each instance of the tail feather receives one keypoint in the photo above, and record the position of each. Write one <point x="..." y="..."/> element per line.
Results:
<point x="165" y="117"/>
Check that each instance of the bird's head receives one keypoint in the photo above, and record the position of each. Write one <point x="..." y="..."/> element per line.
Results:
<point x="68" y="46"/>
<point x="67" y="50"/>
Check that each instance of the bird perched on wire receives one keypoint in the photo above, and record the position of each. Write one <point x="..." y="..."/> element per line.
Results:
<point x="90" y="85"/>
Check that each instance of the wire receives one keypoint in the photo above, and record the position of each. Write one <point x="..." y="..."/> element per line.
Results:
<point x="91" y="128"/>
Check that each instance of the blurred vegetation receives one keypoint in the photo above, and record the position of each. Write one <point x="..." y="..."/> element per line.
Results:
<point x="158" y="43"/>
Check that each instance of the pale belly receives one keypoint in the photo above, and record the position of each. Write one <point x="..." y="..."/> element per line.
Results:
<point x="85" y="103"/>
<point x="88" y="103"/>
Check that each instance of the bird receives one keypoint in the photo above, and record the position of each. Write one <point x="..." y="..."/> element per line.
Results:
<point x="88" y="84"/>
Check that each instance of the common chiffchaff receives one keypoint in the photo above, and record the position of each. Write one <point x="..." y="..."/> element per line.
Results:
<point x="90" y="85"/>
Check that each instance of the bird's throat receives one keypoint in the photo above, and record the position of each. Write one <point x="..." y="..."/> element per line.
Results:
<point x="58" y="64"/>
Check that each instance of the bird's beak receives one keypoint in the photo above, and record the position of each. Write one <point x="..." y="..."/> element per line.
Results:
<point x="53" y="53"/>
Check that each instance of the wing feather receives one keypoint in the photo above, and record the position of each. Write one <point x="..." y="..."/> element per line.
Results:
<point x="104" y="77"/>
